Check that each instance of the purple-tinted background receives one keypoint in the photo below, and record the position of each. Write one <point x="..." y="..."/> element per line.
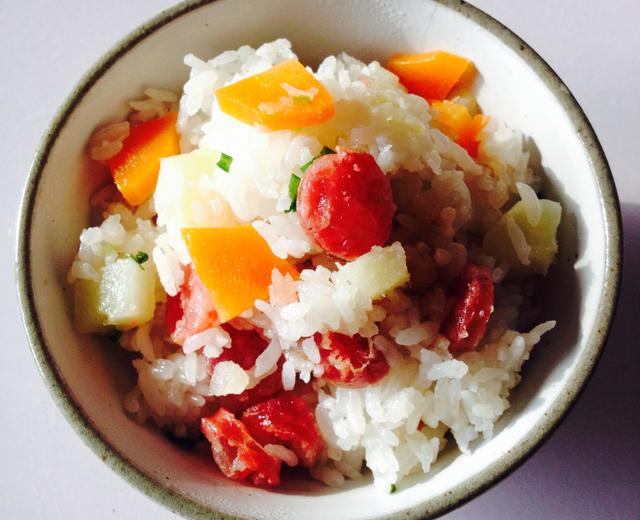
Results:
<point x="588" y="470"/>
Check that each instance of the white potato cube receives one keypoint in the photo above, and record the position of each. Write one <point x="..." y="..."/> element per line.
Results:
<point x="127" y="293"/>
<point x="86" y="308"/>
<point x="184" y="195"/>
<point x="377" y="272"/>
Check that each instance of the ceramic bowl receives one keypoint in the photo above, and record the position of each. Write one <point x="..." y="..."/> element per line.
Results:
<point x="88" y="378"/>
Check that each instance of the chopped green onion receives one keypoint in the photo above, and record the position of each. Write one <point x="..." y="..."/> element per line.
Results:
<point x="301" y="100"/>
<point x="295" y="179"/>
<point x="225" y="162"/>
<point x="393" y="489"/>
<point x="293" y="192"/>
<point x="140" y="258"/>
<point x="325" y="151"/>
<point x="306" y="165"/>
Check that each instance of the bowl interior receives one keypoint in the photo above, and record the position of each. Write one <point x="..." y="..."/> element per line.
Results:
<point x="94" y="373"/>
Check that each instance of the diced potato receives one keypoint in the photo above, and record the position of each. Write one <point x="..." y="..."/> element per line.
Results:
<point x="184" y="196"/>
<point x="377" y="272"/>
<point x="127" y="293"/>
<point x="541" y="238"/>
<point x="87" y="317"/>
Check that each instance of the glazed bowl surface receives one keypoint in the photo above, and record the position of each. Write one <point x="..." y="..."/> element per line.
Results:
<point x="88" y="377"/>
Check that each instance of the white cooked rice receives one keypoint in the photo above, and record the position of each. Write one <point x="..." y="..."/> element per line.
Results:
<point x="467" y="395"/>
<point x="284" y="454"/>
<point x="518" y="241"/>
<point x="395" y="427"/>
<point x="228" y="378"/>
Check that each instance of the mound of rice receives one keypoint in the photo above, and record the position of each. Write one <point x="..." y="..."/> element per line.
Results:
<point x="397" y="426"/>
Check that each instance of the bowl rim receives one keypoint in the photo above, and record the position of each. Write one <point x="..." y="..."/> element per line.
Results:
<point x="186" y="507"/>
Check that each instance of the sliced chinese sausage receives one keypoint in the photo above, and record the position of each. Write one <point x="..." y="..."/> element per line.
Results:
<point x="238" y="454"/>
<point x="191" y="310"/>
<point x="351" y="361"/>
<point x="467" y="323"/>
<point x="288" y="421"/>
<point x="345" y="204"/>
<point x="246" y="346"/>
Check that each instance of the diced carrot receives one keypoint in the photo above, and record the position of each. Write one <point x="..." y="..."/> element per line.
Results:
<point x="135" y="168"/>
<point x="286" y="96"/>
<point x="235" y="264"/>
<point x="456" y="123"/>
<point x="431" y="75"/>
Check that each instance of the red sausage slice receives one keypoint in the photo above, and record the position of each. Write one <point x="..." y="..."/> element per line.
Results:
<point x="467" y="323"/>
<point x="345" y="204"/>
<point x="286" y="420"/>
<point x="237" y="454"/>
<point x="191" y="310"/>
<point x="246" y="346"/>
<point x="351" y="361"/>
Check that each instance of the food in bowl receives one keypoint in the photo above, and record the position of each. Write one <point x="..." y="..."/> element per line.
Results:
<point x="319" y="269"/>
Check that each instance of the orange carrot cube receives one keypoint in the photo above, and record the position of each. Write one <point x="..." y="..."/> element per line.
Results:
<point x="135" y="168"/>
<point x="456" y="123"/>
<point x="235" y="265"/>
<point x="286" y="96"/>
<point x="431" y="75"/>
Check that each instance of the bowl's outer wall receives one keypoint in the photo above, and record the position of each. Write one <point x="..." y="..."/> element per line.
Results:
<point x="80" y="372"/>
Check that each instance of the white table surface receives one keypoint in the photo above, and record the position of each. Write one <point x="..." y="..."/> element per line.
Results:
<point x="588" y="470"/>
